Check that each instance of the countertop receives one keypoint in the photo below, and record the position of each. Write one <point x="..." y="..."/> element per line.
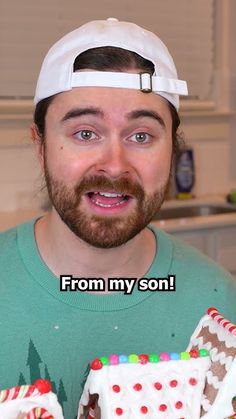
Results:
<point x="200" y="222"/>
<point x="9" y="219"/>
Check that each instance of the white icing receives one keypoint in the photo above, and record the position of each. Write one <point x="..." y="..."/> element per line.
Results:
<point x="222" y="406"/>
<point x="130" y="401"/>
<point x="213" y="380"/>
<point x="206" y="404"/>
<point x="10" y="409"/>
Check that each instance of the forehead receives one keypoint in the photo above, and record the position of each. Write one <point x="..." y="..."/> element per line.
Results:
<point x="111" y="101"/>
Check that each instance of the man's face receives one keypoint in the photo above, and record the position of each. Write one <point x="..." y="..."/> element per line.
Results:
<point x="107" y="159"/>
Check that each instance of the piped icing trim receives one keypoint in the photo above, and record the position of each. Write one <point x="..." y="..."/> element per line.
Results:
<point x="214" y="314"/>
<point x="222" y="334"/>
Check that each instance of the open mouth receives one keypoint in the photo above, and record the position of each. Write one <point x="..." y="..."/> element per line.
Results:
<point x="108" y="199"/>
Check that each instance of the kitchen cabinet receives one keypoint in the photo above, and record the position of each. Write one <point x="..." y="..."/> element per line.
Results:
<point x="213" y="232"/>
<point x="219" y="243"/>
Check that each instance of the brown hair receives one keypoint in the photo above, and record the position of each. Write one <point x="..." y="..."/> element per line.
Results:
<point x="108" y="59"/>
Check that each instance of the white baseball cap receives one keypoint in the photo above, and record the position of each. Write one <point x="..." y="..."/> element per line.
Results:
<point x="57" y="74"/>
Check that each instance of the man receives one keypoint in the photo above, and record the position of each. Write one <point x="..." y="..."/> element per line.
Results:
<point x="105" y="131"/>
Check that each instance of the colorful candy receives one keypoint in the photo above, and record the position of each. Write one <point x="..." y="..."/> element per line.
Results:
<point x="137" y="387"/>
<point x="143" y="359"/>
<point x="144" y="410"/>
<point x="164" y="356"/>
<point x="158" y="386"/>
<point x="185" y="356"/>
<point x="96" y="364"/>
<point x="114" y="359"/>
<point x="203" y="352"/>
<point x="116" y="388"/>
<point x="133" y="359"/>
<point x="154" y="358"/>
<point x="173" y="383"/>
<point x="174" y="356"/>
<point x="119" y="411"/>
<point x="123" y="359"/>
<point x="104" y="360"/>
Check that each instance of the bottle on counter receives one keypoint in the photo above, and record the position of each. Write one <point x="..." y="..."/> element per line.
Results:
<point x="185" y="174"/>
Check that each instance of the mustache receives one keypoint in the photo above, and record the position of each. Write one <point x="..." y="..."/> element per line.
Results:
<point x="122" y="185"/>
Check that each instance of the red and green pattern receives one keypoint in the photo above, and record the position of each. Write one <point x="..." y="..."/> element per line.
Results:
<point x="39" y="413"/>
<point x="21" y="392"/>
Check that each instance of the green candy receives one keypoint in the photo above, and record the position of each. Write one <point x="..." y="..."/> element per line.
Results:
<point x="133" y="358"/>
<point x="104" y="360"/>
<point x="184" y="356"/>
<point x="154" y="358"/>
<point x="203" y="352"/>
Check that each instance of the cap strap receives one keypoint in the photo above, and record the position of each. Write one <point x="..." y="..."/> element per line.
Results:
<point x="144" y="81"/>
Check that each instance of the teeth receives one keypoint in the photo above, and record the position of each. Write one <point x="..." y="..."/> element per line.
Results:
<point x="109" y="194"/>
<point x="108" y="205"/>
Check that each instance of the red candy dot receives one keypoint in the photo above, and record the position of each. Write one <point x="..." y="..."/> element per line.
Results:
<point x="143" y="359"/>
<point x="119" y="411"/>
<point x="144" y="410"/>
<point x="162" y="407"/>
<point x="43" y="386"/>
<point x="192" y="381"/>
<point x="194" y="353"/>
<point x="137" y="387"/>
<point x="158" y="386"/>
<point x="116" y="388"/>
<point x="173" y="383"/>
<point x="96" y="364"/>
<point x="179" y="405"/>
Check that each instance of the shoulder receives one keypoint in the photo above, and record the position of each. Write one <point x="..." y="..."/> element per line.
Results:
<point x="9" y="240"/>
<point x="8" y="251"/>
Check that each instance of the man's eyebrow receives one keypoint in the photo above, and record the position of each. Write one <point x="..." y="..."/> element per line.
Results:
<point x="77" y="112"/>
<point x="140" y="113"/>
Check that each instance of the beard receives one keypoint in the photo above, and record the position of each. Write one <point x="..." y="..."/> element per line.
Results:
<point x="103" y="231"/>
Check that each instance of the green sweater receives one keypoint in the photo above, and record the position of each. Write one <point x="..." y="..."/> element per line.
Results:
<point x="52" y="334"/>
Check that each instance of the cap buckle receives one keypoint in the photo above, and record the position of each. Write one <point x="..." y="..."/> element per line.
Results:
<point x="145" y="80"/>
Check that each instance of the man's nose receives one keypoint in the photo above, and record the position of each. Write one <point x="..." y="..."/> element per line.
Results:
<point x="113" y="160"/>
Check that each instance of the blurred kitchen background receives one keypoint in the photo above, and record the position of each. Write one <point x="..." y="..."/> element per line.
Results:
<point x="201" y="37"/>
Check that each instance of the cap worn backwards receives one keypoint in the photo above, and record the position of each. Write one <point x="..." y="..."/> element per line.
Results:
<point x="57" y="74"/>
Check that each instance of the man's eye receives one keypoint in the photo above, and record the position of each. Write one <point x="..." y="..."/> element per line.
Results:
<point x="140" y="137"/>
<point x="85" y="134"/>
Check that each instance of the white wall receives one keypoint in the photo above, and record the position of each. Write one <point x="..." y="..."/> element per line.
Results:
<point x="19" y="170"/>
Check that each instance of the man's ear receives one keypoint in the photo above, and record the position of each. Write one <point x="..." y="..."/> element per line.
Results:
<point x="38" y="143"/>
